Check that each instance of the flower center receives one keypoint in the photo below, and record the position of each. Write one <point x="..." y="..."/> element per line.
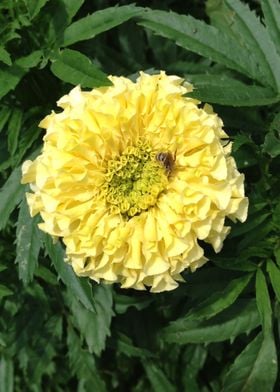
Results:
<point x="134" y="180"/>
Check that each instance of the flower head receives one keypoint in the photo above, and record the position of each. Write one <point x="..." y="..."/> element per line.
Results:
<point x="131" y="176"/>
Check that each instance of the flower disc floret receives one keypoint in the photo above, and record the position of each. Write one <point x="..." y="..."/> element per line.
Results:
<point x="134" y="181"/>
<point x="131" y="177"/>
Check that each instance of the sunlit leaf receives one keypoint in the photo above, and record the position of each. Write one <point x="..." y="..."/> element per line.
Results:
<point x="271" y="10"/>
<point x="242" y="23"/>
<point x="75" y="68"/>
<point x="97" y="23"/>
<point x="228" y="91"/>
<point x="198" y="37"/>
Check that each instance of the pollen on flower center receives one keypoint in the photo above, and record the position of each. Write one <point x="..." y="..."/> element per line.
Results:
<point x="134" y="180"/>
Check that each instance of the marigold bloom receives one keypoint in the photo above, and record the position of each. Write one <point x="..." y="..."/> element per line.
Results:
<point x="131" y="176"/>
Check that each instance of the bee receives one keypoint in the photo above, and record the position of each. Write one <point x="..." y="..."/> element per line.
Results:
<point x="167" y="160"/>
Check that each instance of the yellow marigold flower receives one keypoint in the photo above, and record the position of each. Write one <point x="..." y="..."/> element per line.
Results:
<point x="131" y="176"/>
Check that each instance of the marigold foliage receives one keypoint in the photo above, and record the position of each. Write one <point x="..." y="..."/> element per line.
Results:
<point x="131" y="176"/>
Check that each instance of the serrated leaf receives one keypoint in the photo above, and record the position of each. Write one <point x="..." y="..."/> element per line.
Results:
<point x="257" y="39"/>
<point x="271" y="11"/>
<point x="14" y="127"/>
<point x="5" y="291"/>
<point x="263" y="302"/>
<point x="236" y="19"/>
<point x="255" y="369"/>
<point x="274" y="275"/>
<point x="157" y="378"/>
<point x="97" y="23"/>
<point x="224" y="90"/>
<point x="206" y="40"/>
<point x="241" y="317"/>
<point x="271" y="143"/>
<point x="10" y="195"/>
<point x="218" y="301"/>
<point x="95" y="327"/>
<point x="28" y="243"/>
<point x="83" y="364"/>
<point x="79" y="286"/>
<point x="6" y="374"/>
<point x="5" y="56"/>
<point x="76" y="68"/>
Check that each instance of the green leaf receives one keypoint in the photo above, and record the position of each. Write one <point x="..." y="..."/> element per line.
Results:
<point x="263" y="302"/>
<point x="224" y="90"/>
<point x="5" y="113"/>
<point x="124" y="302"/>
<point x="14" y="128"/>
<point x="5" y="56"/>
<point x="83" y="364"/>
<point x="76" y="68"/>
<point x="218" y="301"/>
<point x="80" y="287"/>
<point x="126" y="346"/>
<point x="235" y="265"/>
<point x="254" y="220"/>
<point x="10" y="76"/>
<point x="5" y="291"/>
<point x="198" y="37"/>
<point x="97" y="23"/>
<point x="257" y="40"/>
<point x="28" y="243"/>
<point x="255" y="369"/>
<point x="6" y="374"/>
<point x="34" y="7"/>
<point x="241" y="317"/>
<point x="274" y="275"/>
<point x="271" y="10"/>
<point x="272" y="139"/>
<point x="30" y="61"/>
<point x="157" y="378"/>
<point x="234" y="18"/>
<point x="95" y="327"/>
<point x="193" y="360"/>
<point x="10" y="195"/>
<point x="72" y="7"/>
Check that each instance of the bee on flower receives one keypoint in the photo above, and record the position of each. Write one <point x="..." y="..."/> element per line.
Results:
<point x="131" y="176"/>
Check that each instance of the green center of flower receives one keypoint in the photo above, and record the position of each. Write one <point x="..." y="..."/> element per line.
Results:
<point x="134" y="180"/>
